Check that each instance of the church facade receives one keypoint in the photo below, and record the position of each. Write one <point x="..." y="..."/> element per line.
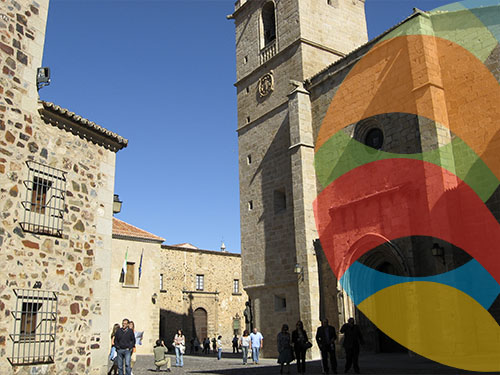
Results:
<point x="294" y="60"/>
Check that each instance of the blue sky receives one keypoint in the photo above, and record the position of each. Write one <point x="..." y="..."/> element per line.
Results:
<point x="161" y="74"/>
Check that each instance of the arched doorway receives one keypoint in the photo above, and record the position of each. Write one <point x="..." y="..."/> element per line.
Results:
<point x="385" y="258"/>
<point x="200" y="323"/>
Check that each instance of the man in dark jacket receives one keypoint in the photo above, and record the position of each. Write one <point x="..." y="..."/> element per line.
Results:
<point x="326" y="337"/>
<point x="352" y="340"/>
<point x="124" y="342"/>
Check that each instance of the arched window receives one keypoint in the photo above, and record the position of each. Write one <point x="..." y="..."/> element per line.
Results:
<point x="375" y="138"/>
<point x="269" y="22"/>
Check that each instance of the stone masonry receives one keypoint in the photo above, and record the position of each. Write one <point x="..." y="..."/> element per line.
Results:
<point x="73" y="263"/>
<point x="287" y="76"/>
<point x="275" y="150"/>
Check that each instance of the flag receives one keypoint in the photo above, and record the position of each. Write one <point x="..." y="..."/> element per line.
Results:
<point x="140" y="265"/>
<point x="124" y="269"/>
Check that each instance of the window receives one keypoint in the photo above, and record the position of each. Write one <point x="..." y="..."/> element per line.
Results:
<point x="279" y="304"/>
<point x="333" y="3"/>
<point x="279" y="201"/>
<point x="250" y="205"/>
<point x="236" y="286"/>
<point x="374" y="138"/>
<point x="44" y="202"/>
<point x="162" y="288"/>
<point x="199" y="282"/>
<point x="249" y="159"/>
<point x="130" y="275"/>
<point x="39" y="194"/>
<point x="34" y="336"/>
<point x="268" y="23"/>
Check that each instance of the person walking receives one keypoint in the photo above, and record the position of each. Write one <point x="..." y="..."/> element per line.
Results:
<point x="325" y="338"/>
<point x="161" y="359"/>
<point x="285" y="353"/>
<point x="133" y="357"/>
<point x="214" y="345"/>
<point x="300" y="345"/>
<point x="219" y="347"/>
<point x="352" y="340"/>
<point x="112" y="353"/>
<point x="180" y="347"/>
<point x="124" y="343"/>
<point x="245" y="342"/>
<point x="206" y="345"/>
<point x="257" y="343"/>
<point x="235" y="344"/>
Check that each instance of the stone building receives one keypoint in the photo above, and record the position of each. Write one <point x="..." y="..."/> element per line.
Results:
<point x="167" y="288"/>
<point x="132" y="294"/>
<point x="57" y="173"/>
<point x="200" y="292"/>
<point x="291" y="58"/>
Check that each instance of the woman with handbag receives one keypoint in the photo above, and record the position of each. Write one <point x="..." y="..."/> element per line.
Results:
<point x="300" y="345"/>
<point x="180" y="347"/>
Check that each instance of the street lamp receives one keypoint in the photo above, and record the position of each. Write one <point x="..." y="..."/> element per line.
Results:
<point x="298" y="270"/>
<point x="117" y="204"/>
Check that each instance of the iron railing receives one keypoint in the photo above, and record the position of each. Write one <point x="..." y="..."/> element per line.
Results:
<point x="44" y="203"/>
<point x="34" y="334"/>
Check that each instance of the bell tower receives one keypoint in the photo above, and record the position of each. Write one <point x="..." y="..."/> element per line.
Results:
<point x="279" y="44"/>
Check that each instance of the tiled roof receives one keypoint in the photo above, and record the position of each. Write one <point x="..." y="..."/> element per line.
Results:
<point x="125" y="230"/>
<point x="83" y="121"/>
<point x="186" y="245"/>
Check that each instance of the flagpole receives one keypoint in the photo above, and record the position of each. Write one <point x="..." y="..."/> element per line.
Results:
<point x="140" y="268"/>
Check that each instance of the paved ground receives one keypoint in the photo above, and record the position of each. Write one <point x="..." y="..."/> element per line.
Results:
<point x="232" y="365"/>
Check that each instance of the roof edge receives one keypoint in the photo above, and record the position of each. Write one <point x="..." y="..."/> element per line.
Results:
<point x="114" y="140"/>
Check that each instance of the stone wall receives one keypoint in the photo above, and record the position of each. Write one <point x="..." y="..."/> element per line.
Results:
<point x="179" y="298"/>
<point x="76" y="264"/>
<point x="309" y="36"/>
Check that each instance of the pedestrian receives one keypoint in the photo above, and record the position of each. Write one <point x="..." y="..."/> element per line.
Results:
<point x="325" y="338"/>
<point x="257" y="344"/>
<point x="124" y="342"/>
<point x="300" y="345"/>
<point x="285" y="353"/>
<point x="352" y="340"/>
<point x="235" y="344"/>
<point x="206" y="345"/>
<point x="112" y="353"/>
<point x="191" y="346"/>
<point x="219" y="347"/>
<point x="196" y="345"/>
<point x="180" y="347"/>
<point x="245" y="342"/>
<point x="214" y="344"/>
<point x="160" y="358"/>
<point x="138" y="338"/>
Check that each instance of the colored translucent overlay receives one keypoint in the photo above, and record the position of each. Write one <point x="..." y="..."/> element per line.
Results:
<point x="440" y="67"/>
<point x="360" y="282"/>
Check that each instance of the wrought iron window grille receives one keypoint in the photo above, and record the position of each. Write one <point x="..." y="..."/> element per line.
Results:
<point x="35" y="318"/>
<point x="44" y="203"/>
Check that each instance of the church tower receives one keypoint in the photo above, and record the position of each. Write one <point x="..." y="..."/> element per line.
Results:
<point x="279" y="44"/>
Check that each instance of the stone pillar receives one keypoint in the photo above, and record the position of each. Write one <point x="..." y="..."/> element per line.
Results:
<point x="304" y="192"/>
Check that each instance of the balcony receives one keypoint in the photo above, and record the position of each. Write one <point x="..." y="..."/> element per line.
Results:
<point x="268" y="51"/>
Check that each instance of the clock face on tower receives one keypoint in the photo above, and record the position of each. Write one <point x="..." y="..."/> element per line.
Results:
<point x="266" y="84"/>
